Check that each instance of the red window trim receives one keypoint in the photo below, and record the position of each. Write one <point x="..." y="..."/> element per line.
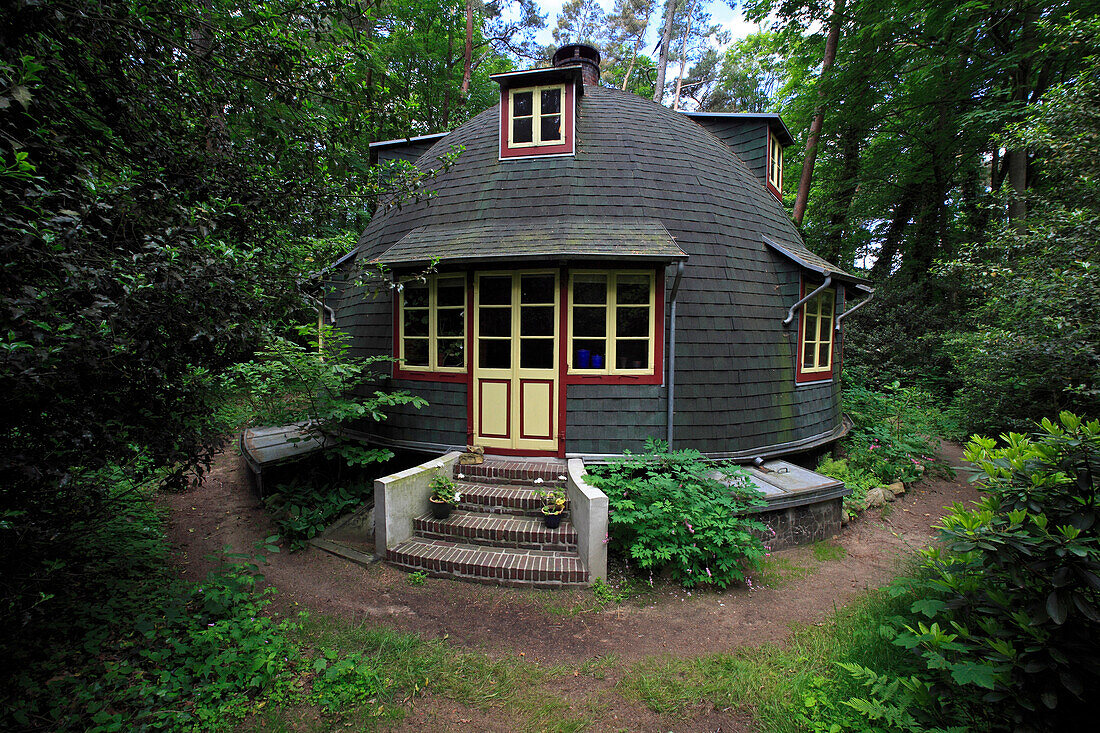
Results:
<point x="566" y="147"/>
<point x="768" y="165"/>
<point x="424" y="375"/>
<point x="814" y="377"/>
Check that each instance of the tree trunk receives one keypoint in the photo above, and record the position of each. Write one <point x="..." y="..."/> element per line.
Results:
<point x="903" y="212"/>
<point x="683" y="56"/>
<point x="662" y="59"/>
<point x="468" y="56"/>
<point x="848" y="182"/>
<point x="819" y="115"/>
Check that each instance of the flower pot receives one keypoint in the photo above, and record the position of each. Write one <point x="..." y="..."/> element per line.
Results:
<point x="440" y="509"/>
<point x="553" y="521"/>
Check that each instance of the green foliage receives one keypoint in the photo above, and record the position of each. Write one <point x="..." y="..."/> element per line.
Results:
<point x="676" y="511"/>
<point x="303" y="507"/>
<point x="417" y="578"/>
<point x="444" y="490"/>
<point x="553" y="500"/>
<point x="128" y="646"/>
<point x="1010" y="612"/>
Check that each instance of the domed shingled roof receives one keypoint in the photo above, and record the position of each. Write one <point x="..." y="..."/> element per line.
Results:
<point x="636" y="160"/>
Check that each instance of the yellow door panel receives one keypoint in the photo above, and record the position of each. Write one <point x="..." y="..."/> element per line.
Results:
<point x="493" y="407"/>
<point x="536" y="409"/>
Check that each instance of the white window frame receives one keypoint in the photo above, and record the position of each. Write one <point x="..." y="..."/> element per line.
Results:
<point x="775" y="162"/>
<point x="536" y="115"/>
<point x="610" y="336"/>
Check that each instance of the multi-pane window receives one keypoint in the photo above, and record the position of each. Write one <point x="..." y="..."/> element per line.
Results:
<point x="817" y="333"/>
<point x="537" y="116"/>
<point x="775" y="162"/>
<point x="611" y="322"/>
<point x="433" y="324"/>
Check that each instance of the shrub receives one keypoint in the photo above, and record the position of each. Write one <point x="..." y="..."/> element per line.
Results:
<point x="301" y="508"/>
<point x="673" y="510"/>
<point x="1012" y="599"/>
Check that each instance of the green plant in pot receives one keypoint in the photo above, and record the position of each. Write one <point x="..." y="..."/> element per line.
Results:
<point x="444" y="496"/>
<point x="553" y="504"/>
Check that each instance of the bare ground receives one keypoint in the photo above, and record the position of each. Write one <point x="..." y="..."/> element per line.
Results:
<point x="222" y="512"/>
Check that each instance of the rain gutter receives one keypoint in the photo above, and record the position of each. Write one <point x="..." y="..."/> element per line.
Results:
<point x="811" y="296"/>
<point x="857" y="306"/>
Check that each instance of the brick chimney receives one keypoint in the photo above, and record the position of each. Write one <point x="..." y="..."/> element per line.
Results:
<point x="586" y="57"/>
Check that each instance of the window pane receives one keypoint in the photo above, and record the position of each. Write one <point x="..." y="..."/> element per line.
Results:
<point x="416" y="322"/>
<point x="495" y="354"/>
<point x="450" y="322"/>
<point x="823" y="355"/>
<point x="495" y="290"/>
<point x="551" y="128"/>
<point x="591" y="289"/>
<point x="824" y="324"/>
<point x="521" y="104"/>
<point x="808" y="356"/>
<point x="826" y="304"/>
<point x="632" y="321"/>
<point x="521" y="130"/>
<point x="588" y="352"/>
<point x="536" y="354"/>
<point x="450" y="353"/>
<point x="536" y="289"/>
<point x="495" y="321"/>
<point x="632" y="354"/>
<point x="551" y="101"/>
<point x="536" y="320"/>
<point x="416" y="352"/>
<point x="589" y="321"/>
<point x="632" y="289"/>
<point x="451" y="292"/>
<point x="416" y="295"/>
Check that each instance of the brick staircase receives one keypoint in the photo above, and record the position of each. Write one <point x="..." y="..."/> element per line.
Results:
<point x="496" y="534"/>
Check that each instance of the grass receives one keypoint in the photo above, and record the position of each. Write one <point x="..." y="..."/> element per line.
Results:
<point x="773" y="681"/>
<point x="828" y="551"/>
<point x="775" y="572"/>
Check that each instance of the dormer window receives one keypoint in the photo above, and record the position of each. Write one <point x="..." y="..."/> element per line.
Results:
<point x="537" y="119"/>
<point x="775" y="165"/>
<point x="537" y="114"/>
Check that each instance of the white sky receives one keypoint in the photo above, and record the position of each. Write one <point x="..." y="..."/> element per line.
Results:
<point x="719" y="10"/>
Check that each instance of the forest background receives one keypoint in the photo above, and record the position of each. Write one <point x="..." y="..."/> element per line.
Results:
<point x="173" y="172"/>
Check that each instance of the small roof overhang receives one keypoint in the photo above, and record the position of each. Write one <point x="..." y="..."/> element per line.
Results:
<point x="775" y="122"/>
<point x="407" y="140"/>
<point x="558" y="239"/>
<point x="532" y="77"/>
<point x="809" y="261"/>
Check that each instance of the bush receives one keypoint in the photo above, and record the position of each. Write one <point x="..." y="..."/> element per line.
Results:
<point x="1011" y="611"/>
<point x="673" y="510"/>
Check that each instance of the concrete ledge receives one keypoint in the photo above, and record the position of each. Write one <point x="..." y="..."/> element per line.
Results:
<point x="401" y="497"/>
<point x="588" y="508"/>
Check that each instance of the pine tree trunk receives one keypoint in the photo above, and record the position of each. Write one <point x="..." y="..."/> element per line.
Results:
<point x="662" y="59"/>
<point x="683" y="56"/>
<point x="468" y="57"/>
<point x="819" y="116"/>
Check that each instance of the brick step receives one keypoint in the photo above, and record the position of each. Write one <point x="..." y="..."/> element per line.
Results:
<point x="501" y="498"/>
<point x="513" y="472"/>
<point x="500" y="566"/>
<point x="500" y="530"/>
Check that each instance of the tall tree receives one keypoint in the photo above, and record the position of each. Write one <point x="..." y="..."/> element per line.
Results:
<point x="627" y="25"/>
<point x="668" y="18"/>
<point x="580" y="21"/>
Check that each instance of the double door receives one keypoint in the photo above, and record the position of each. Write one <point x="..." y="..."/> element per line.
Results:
<point x="516" y="353"/>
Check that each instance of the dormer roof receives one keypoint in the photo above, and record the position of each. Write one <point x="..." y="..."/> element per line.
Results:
<point x="774" y="121"/>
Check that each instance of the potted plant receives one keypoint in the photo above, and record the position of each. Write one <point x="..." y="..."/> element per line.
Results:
<point x="553" y="504"/>
<point x="444" y="496"/>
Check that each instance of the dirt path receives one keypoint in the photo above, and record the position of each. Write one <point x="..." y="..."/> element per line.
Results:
<point x="504" y="621"/>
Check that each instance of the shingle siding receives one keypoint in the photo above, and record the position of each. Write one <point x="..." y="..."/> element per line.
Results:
<point x="735" y="363"/>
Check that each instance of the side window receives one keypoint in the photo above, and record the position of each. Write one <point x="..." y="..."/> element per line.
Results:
<point x="611" y="323"/>
<point x="433" y="324"/>
<point x="815" y="360"/>
<point x="775" y="163"/>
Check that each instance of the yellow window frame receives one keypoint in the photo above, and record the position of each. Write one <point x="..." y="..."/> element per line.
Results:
<point x="536" y="116"/>
<point x="610" y="335"/>
<point x="775" y="162"/>
<point x="433" y="338"/>
<point x="814" y="312"/>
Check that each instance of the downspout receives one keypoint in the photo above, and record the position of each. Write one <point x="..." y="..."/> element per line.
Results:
<point x="319" y="305"/>
<point x="670" y="376"/>
<point x="796" y="306"/>
<point x="854" y="308"/>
